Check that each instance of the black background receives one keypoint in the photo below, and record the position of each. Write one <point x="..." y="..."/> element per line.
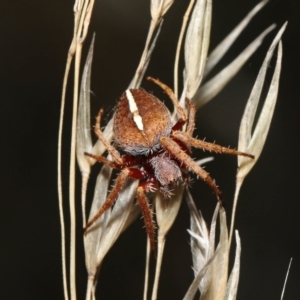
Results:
<point x="35" y="37"/>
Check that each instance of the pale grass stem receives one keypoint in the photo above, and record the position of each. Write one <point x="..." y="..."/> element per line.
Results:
<point x="179" y="43"/>
<point x="82" y="10"/>
<point x="286" y="278"/>
<point x="254" y="142"/>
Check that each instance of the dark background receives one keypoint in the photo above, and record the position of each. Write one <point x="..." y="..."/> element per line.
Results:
<point x="35" y="37"/>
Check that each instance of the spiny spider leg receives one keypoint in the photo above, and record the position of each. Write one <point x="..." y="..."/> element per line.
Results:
<point x="173" y="148"/>
<point x="112" y="151"/>
<point x="192" y="114"/>
<point x="182" y="116"/>
<point x="187" y="139"/>
<point x="141" y="197"/>
<point x="147" y="213"/>
<point x="191" y="119"/>
<point x="103" y="159"/>
<point x="120" y="181"/>
<point x="172" y="96"/>
<point x="127" y="161"/>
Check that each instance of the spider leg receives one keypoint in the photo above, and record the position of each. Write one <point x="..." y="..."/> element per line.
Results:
<point x="173" y="148"/>
<point x="112" y="150"/>
<point x="147" y="213"/>
<point x="173" y="98"/>
<point x="192" y="114"/>
<point x="120" y="181"/>
<point x="187" y="139"/>
<point x="103" y="159"/>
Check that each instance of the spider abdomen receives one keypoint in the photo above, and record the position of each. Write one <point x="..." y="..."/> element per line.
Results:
<point x="140" y="135"/>
<point x="166" y="170"/>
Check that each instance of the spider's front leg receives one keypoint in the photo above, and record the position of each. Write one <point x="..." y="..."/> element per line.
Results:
<point x="170" y="93"/>
<point x="112" y="150"/>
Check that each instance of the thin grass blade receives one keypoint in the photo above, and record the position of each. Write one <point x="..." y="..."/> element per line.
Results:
<point x="84" y="138"/>
<point x="199" y="236"/>
<point x="217" y="54"/>
<point x="159" y="7"/>
<point x="93" y="239"/>
<point x="286" y="278"/>
<point x="255" y="143"/>
<point x="118" y="218"/>
<point x="190" y="294"/>
<point x="212" y="87"/>
<point x="219" y="267"/>
<point x="197" y="44"/>
<point x="233" y="281"/>
<point x="167" y="210"/>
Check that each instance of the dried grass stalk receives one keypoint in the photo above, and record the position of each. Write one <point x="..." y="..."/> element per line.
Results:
<point x="254" y="142"/>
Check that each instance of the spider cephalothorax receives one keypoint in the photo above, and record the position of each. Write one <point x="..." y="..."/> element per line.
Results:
<point x="157" y="151"/>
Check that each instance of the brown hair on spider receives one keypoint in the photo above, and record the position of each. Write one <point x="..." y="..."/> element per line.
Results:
<point x="157" y="151"/>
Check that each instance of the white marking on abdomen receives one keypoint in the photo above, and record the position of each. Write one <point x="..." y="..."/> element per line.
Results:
<point x="134" y="110"/>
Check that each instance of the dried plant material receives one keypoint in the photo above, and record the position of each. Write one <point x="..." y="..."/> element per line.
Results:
<point x="286" y="277"/>
<point x="82" y="11"/>
<point x="218" y="269"/>
<point x="233" y="281"/>
<point x="203" y="161"/>
<point x="216" y="55"/>
<point x="140" y="72"/>
<point x="147" y="270"/>
<point x="210" y="265"/>
<point x="84" y="139"/>
<point x="210" y="274"/>
<point x="212" y="87"/>
<point x="167" y="209"/>
<point x="200" y="240"/>
<point x="158" y="8"/>
<point x="254" y="143"/>
<point x="190" y="294"/>
<point x="120" y="218"/>
<point x="110" y="225"/>
<point x="211" y="253"/>
<point x="196" y="45"/>
<point x="179" y="43"/>
<point x="166" y="212"/>
<point x="92" y="241"/>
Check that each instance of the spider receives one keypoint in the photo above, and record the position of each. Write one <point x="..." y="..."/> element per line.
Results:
<point x="157" y="151"/>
